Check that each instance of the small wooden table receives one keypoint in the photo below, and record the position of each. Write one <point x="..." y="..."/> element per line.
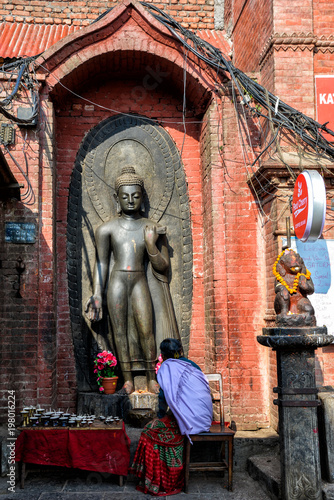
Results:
<point x="100" y="448"/>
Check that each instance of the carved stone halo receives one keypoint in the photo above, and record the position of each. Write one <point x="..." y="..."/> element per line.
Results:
<point x="120" y="141"/>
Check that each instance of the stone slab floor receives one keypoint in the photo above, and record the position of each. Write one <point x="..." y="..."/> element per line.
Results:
<point x="55" y="483"/>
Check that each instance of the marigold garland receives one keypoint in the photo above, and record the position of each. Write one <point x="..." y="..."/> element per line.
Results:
<point x="283" y="282"/>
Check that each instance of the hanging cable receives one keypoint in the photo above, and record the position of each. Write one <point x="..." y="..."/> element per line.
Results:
<point x="283" y="115"/>
<point x="21" y="68"/>
<point x="28" y="197"/>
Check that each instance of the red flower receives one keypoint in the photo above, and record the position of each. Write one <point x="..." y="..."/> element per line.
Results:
<point x="104" y="366"/>
<point x="157" y="366"/>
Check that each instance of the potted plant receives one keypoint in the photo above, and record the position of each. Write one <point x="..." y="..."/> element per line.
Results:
<point x="105" y="363"/>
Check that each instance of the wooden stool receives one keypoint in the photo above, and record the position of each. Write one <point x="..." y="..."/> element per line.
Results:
<point x="217" y="433"/>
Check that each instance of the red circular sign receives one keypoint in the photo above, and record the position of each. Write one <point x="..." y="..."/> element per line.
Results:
<point x="309" y="205"/>
<point x="300" y="206"/>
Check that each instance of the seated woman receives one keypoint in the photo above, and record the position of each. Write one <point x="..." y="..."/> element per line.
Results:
<point x="158" y="461"/>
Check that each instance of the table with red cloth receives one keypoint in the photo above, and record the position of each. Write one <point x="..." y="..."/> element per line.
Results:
<point x="99" y="449"/>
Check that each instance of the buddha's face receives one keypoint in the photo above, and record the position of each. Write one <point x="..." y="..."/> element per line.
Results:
<point x="130" y="199"/>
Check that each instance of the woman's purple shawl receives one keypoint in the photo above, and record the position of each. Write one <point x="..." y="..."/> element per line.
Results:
<point x="187" y="393"/>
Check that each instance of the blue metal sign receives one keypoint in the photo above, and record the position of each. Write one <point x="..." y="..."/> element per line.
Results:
<point x="20" y="232"/>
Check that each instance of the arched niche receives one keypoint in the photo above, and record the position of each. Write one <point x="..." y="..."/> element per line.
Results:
<point x="114" y="142"/>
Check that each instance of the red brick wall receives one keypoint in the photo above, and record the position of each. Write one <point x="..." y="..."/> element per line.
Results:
<point x="28" y="333"/>
<point x="208" y="242"/>
<point x="233" y="251"/>
<point x="323" y="21"/>
<point x="245" y="278"/>
<point x="297" y="90"/>
<point x="221" y="339"/>
<point x="252" y="26"/>
<point x="292" y="17"/>
<point x="323" y="17"/>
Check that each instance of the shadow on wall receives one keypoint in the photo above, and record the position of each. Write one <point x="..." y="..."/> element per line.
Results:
<point x="28" y="340"/>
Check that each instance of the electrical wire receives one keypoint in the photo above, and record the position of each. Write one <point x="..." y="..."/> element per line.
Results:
<point x="283" y="115"/>
<point x="161" y="120"/>
<point x="310" y="131"/>
<point x="21" y="68"/>
<point x="28" y="197"/>
<point x="184" y="101"/>
<point x="280" y="115"/>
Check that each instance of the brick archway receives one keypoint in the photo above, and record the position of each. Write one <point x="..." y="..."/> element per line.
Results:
<point x="127" y="41"/>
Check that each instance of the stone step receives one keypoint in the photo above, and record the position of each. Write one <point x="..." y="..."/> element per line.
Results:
<point x="266" y="470"/>
<point x="250" y="443"/>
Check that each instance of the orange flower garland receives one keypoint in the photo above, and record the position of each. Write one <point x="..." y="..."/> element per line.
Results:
<point x="283" y="282"/>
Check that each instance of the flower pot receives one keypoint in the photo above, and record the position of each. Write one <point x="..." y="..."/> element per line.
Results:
<point x="109" y="384"/>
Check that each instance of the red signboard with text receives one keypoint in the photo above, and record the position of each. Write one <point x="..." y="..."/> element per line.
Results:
<point x="324" y="87"/>
<point x="300" y="206"/>
<point x="309" y="205"/>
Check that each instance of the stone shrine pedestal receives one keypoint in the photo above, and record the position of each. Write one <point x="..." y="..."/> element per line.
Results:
<point x="297" y="406"/>
<point x="326" y="432"/>
<point x="118" y="405"/>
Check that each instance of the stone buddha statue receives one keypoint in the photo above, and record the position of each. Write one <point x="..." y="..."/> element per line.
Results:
<point x="127" y="248"/>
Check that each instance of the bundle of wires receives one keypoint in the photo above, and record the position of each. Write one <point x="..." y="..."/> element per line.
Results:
<point x="282" y="115"/>
<point x="21" y="69"/>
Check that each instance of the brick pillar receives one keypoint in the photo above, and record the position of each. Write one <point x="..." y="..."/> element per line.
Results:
<point x="46" y="367"/>
<point x="214" y="247"/>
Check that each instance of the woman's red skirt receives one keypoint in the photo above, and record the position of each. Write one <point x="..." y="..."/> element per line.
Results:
<point x="158" y="461"/>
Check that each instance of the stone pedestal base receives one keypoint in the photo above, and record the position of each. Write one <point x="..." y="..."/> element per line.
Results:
<point x="326" y="433"/>
<point x="298" y="403"/>
<point x="116" y="404"/>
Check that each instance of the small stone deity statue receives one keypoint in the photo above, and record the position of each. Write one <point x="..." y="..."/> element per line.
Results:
<point x="293" y="284"/>
<point x="125" y="247"/>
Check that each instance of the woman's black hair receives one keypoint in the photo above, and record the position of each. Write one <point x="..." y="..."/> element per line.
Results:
<point x="171" y="347"/>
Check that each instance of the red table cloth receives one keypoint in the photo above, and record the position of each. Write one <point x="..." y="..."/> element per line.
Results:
<point x="89" y="449"/>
